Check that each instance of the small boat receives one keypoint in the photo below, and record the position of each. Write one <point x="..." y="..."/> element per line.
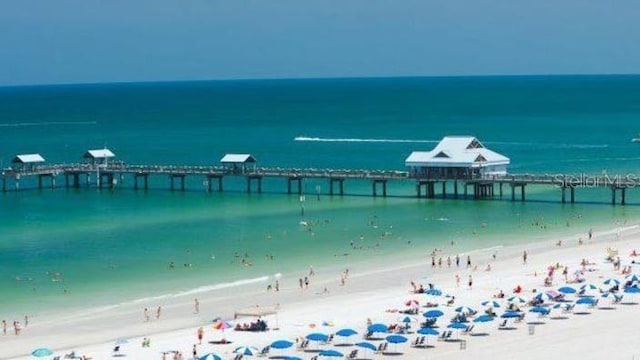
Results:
<point x="636" y="139"/>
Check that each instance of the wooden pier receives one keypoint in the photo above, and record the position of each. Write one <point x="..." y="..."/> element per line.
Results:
<point x="108" y="176"/>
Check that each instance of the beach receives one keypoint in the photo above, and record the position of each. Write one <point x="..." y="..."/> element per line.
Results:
<point x="377" y="292"/>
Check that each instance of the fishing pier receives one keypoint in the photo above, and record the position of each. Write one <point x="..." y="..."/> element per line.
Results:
<point x="458" y="168"/>
<point x="112" y="175"/>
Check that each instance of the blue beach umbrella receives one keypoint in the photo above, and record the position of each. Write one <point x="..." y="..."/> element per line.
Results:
<point x="632" y="290"/>
<point x="457" y="325"/>
<point x="378" y="328"/>
<point x="330" y="353"/>
<point x="483" y="318"/>
<point x="318" y="337"/>
<point x="428" y="331"/>
<point x="396" y="339"/>
<point x="510" y="315"/>
<point x="433" y="292"/>
<point x="407" y="319"/>
<point x="491" y="303"/>
<point x="567" y="290"/>
<point x="210" y="356"/>
<point x="346" y="332"/>
<point x="41" y="352"/>
<point x="611" y="281"/>
<point x="539" y="310"/>
<point x="367" y="345"/>
<point x="433" y="314"/>
<point x="464" y="310"/>
<point x="586" y="301"/>
<point x="281" y="344"/>
<point x="632" y="278"/>
<point x="246" y="350"/>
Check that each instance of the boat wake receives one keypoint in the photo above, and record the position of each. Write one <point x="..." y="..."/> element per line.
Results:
<point x="48" y="123"/>
<point x="319" y="139"/>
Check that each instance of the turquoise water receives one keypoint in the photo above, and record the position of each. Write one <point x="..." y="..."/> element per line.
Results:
<point x="94" y="244"/>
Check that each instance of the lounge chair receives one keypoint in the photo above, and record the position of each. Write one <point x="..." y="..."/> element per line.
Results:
<point x="503" y="323"/>
<point x="264" y="351"/>
<point x="353" y="354"/>
<point x="468" y="329"/>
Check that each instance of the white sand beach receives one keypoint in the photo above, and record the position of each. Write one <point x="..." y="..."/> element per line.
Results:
<point x="377" y="292"/>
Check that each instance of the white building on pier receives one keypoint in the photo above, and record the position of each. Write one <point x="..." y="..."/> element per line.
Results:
<point x="457" y="157"/>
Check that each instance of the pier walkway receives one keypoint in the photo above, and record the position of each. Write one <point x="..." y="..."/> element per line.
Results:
<point x="77" y="175"/>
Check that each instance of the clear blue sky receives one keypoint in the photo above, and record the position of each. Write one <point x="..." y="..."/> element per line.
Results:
<point x="79" y="41"/>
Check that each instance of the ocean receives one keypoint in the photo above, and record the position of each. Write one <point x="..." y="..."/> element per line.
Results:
<point x="61" y="249"/>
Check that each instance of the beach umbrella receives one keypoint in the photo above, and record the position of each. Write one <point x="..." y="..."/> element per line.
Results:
<point x="464" y="310"/>
<point x="407" y="319"/>
<point x="539" y="310"/>
<point x="632" y="277"/>
<point x="433" y="292"/>
<point x="457" y="325"/>
<point x="586" y="301"/>
<point x="483" y="318"/>
<point x="491" y="303"/>
<point x="210" y="356"/>
<point x="346" y="332"/>
<point x="221" y="325"/>
<point x="631" y="290"/>
<point x="516" y="299"/>
<point x="330" y="353"/>
<point x="433" y="314"/>
<point x="567" y="290"/>
<point x="367" y="345"/>
<point x="396" y="339"/>
<point x="611" y="281"/>
<point x="428" y="332"/>
<point x="246" y="350"/>
<point x="510" y="315"/>
<point x="412" y="303"/>
<point x="318" y="337"/>
<point x="281" y="344"/>
<point x="378" y="327"/>
<point x="543" y="297"/>
<point x="41" y="352"/>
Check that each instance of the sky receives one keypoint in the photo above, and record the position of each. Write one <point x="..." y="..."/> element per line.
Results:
<point x="92" y="41"/>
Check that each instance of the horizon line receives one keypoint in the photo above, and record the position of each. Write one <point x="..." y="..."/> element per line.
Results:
<point x="302" y="78"/>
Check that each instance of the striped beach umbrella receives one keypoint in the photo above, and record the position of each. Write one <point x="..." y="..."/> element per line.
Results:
<point x="491" y="303"/>
<point x="246" y="350"/>
<point x="210" y="356"/>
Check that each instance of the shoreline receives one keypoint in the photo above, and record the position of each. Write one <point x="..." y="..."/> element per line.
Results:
<point x="127" y="320"/>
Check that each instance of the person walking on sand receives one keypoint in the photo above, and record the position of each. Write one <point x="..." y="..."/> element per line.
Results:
<point x="146" y="314"/>
<point x="195" y="352"/>
<point x="200" y="335"/>
<point x="524" y="257"/>
<point x="468" y="261"/>
<point x="4" y="327"/>
<point x="196" y="306"/>
<point x="457" y="280"/>
<point x="470" y="282"/>
<point x="158" y="312"/>
<point x="457" y="260"/>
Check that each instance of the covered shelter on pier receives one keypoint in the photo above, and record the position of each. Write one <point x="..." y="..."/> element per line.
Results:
<point x="238" y="163"/>
<point x="99" y="156"/>
<point x="26" y="161"/>
<point x="457" y="157"/>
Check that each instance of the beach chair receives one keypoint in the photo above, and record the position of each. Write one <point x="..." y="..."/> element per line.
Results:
<point x="617" y="299"/>
<point x="353" y="354"/>
<point x="468" y="330"/>
<point x="503" y="323"/>
<point x="264" y="351"/>
<point x="116" y="350"/>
